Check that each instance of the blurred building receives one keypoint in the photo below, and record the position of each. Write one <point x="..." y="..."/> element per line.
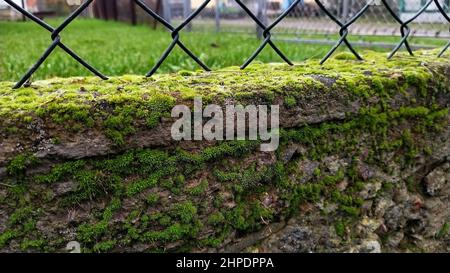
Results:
<point x="431" y="15"/>
<point x="127" y="11"/>
<point x="6" y="12"/>
<point x="40" y="8"/>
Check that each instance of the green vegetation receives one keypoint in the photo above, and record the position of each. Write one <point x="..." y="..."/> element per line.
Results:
<point x="90" y="233"/>
<point x="198" y="198"/>
<point x="20" y="163"/>
<point x="22" y="224"/>
<point x="339" y="227"/>
<point x="120" y="107"/>
<point x="199" y="189"/>
<point x="152" y="199"/>
<point x="443" y="231"/>
<point x="160" y="171"/>
<point x="123" y="49"/>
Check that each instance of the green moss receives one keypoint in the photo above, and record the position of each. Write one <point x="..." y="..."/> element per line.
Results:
<point x="21" y="215"/>
<point x="120" y="124"/>
<point x="186" y="211"/>
<point x="115" y="136"/>
<point x="157" y="107"/>
<point x="153" y="160"/>
<point x="239" y="185"/>
<point x="21" y="227"/>
<point x="120" y="105"/>
<point x="140" y="185"/>
<point x="218" y="201"/>
<point x="152" y="199"/>
<point x="90" y="185"/>
<point x="200" y="189"/>
<point x="347" y="203"/>
<point x="248" y="217"/>
<point x="28" y="119"/>
<point x="8" y="235"/>
<point x="113" y="206"/>
<point x="181" y="222"/>
<point x="186" y="73"/>
<point x="171" y="234"/>
<point x="120" y="165"/>
<point x="352" y="211"/>
<point x="12" y="130"/>
<point x="179" y="180"/>
<point x="60" y="171"/>
<point x="388" y="186"/>
<point x="212" y="242"/>
<point x="33" y="244"/>
<point x="216" y="219"/>
<point x="20" y="163"/>
<point x="231" y="149"/>
<point x="165" y="220"/>
<point x="443" y="231"/>
<point x="91" y="233"/>
<point x="372" y="120"/>
<point x="168" y="184"/>
<point x="104" y="246"/>
<point x="290" y="101"/>
<point x="309" y="192"/>
<point x="317" y="172"/>
<point x="248" y="179"/>
<point x="344" y="56"/>
<point x="330" y="180"/>
<point x="418" y="79"/>
<point x="339" y="228"/>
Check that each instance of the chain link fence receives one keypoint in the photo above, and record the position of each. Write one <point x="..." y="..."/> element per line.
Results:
<point x="309" y="21"/>
<point x="306" y="20"/>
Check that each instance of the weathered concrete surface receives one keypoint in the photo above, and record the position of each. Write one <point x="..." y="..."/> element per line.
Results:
<point x="363" y="164"/>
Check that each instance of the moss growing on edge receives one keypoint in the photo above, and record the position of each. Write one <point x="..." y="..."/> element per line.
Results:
<point x="342" y="123"/>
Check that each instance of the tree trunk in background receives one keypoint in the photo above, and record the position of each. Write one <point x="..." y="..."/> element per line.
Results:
<point x="126" y="11"/>
<point x="106" y="9"/>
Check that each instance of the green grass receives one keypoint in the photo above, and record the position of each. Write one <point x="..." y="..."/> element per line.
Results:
<point x="117" y="49"/>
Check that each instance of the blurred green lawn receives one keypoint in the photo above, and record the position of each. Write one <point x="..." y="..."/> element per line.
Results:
<point x="117" y="48"/>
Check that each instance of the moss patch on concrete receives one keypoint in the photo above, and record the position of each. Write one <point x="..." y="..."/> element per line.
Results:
<point x="120" y="105"/>
<point x="206" y="196"/>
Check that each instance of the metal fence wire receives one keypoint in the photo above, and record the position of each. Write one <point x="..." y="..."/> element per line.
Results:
<point x="343" y="24"/>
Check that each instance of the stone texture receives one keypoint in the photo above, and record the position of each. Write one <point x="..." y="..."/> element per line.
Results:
<point x="363" y="165"/>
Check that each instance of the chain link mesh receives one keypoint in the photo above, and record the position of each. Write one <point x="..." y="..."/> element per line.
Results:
<point x="339" y="18"/>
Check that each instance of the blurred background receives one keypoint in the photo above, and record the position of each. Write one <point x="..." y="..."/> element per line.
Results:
<point x="119" y="37"/>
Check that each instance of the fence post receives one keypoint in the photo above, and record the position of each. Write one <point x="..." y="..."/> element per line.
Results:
<point x="186" y="12"/>
<point x="23" y="6"/>
<point x="89" y="13"/>
<point x="345" y="9"/>
<point x="114" y="10"/>
<point x="402" y="6"/>
<point x="217" y="15"/>
<point x="262" y="16"/>
<point x="167" y="13"/>
<point x="133" y="16"/>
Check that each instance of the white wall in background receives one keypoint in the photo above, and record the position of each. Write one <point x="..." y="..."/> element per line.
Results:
<point x="3" y="4"/>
